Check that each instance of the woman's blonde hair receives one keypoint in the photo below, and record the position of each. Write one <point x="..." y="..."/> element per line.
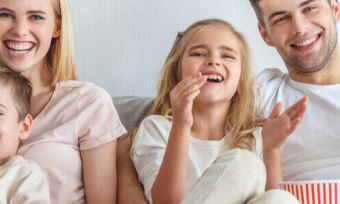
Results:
<point x="242" y="117"/>
<point x="60" y="57"/>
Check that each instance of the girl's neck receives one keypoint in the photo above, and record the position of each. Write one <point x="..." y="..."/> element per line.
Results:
<point x="210" y="121"/>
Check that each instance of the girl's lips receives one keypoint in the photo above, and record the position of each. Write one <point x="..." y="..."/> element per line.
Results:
<point x="19" y="46"/>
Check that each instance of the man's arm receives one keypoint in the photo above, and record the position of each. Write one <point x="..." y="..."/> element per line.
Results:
<point x="130" y="191"/>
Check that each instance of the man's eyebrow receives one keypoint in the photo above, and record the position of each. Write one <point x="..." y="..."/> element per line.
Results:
<point x="277" y="13"/>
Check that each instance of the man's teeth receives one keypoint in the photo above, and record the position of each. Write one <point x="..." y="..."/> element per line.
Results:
<point x="307" y="42"/>
<point x="214" y="77"/>
<point x="20" y="46"/>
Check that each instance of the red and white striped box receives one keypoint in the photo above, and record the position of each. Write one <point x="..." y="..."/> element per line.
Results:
<point x="314" y="192"/>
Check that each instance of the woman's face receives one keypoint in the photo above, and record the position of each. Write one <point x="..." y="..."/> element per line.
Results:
<point x="26" y="30"/>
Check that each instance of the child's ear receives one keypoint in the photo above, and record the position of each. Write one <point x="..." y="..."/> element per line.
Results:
<point x="57" y="29"/>
<point x="264" y="35"/>
<point x="26" y="126"/>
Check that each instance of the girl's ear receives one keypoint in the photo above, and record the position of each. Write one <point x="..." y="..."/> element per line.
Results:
<point x="57" y="29"/>
<point x="336" y="9"/>
<point x="264" y="35"/>
<point x="26" y="126"/>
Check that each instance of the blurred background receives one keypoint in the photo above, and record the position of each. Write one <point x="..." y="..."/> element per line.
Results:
<point x="121" y="44"/>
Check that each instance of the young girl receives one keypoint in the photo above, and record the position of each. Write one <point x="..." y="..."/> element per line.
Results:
<point x="75" y="123"/>
<point x="198" y="143"/>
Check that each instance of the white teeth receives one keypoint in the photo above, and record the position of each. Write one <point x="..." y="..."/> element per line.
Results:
<point x="19" y="46"/>
<point x="215" y="77"/>
<point x="307" y="42"/>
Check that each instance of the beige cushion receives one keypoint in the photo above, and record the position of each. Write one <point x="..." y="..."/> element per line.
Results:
<point x="132" y="109"/>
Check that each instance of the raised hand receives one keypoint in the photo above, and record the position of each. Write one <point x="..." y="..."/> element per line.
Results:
<point x="182" y="97"/>
<point x="277" y="127"/>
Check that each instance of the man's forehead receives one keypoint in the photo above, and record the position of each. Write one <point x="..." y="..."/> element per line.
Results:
<point x="270" y="6"/>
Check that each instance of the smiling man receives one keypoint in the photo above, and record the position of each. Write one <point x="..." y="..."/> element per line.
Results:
<point x="304" y="33"/>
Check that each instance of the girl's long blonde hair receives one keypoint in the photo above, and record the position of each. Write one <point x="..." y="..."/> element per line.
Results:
<point x="242" y="117"/>
<point x="60" y="57"/>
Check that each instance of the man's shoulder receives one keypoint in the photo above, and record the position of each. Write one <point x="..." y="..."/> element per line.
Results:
<point x="270" y="75"/>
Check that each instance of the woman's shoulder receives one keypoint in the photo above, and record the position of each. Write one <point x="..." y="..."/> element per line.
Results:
<point x="81" y="90"/>
<point x="156" y="120"/>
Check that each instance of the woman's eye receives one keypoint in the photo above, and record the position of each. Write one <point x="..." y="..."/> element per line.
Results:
<point x="36" y="17"/>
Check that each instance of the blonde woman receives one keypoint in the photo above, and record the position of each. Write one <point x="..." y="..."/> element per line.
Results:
<point x="73" y="138"/>
<point x="202" y="142"/>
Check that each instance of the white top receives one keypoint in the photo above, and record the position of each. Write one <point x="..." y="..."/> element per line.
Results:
<point x="312" y="152"/>
<point x="149" y="146"/>
<point x="79" y="116"/>
<point x="22" y="181"/>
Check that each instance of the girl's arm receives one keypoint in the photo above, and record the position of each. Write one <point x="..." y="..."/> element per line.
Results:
<point x="170" y="183"/>
<point x="276" y="129"/>
<point x="99" y="174"/>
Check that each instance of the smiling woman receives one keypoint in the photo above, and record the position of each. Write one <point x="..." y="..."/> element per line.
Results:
<point x="75" y="123"/>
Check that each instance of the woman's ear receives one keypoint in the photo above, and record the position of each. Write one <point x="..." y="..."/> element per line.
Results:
<point x="26" y="126"/>
<point x="57" y="28"/>
<point x="264" y="35"/>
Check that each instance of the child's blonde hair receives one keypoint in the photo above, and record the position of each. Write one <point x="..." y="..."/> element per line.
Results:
<point x="60" y="57"/>
<point x="241" y="118"/>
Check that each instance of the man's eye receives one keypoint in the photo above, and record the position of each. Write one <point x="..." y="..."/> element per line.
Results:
<point x="280" y="20"/>
<point x="309" y="9"/>
<point x="5" y="15"/>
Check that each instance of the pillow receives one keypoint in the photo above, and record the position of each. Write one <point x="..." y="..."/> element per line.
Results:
<point x="132" y="109"/>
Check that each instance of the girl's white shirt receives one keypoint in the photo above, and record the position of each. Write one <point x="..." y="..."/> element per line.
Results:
<point x="149" y="146"/>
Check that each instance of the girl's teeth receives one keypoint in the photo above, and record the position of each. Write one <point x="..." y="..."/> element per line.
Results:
<point x="20" y="46"/>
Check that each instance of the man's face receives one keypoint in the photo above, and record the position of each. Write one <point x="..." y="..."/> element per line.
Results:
<point x="303" y="32"/>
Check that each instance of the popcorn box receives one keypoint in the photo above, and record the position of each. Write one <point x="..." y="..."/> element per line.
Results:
<point x="314" y="192"/>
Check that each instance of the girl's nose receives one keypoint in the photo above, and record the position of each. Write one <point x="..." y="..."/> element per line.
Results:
<point x="213" y="61"/>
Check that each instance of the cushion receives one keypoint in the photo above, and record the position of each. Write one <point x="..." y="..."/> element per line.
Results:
<point x="132" y="109"/>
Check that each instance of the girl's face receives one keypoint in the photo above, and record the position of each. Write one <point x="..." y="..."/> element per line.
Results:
<point x="214" y="52"/>
<point x="26" y="30"/>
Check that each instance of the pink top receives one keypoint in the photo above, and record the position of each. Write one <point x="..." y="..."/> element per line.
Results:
<point x="79" y="116"/>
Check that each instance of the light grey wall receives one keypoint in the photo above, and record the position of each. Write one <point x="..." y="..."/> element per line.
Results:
<point x="122" y="44"/>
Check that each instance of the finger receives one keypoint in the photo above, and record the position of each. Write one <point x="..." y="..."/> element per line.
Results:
<point x="276" y="111"/>
<point x="193" y="87"/>
<point x="294" y="123"/>
<point x="299" y="110"/>
<point x="290" y="109"/>
<point x="187" y="82"/>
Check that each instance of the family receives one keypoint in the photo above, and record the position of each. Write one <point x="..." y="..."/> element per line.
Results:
<point x="215" y="133"/>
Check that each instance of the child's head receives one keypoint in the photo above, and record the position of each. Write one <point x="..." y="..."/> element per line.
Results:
<point x="241" y="115"/>
<point x="15" y="121"/>
<point x="37" y="34"/>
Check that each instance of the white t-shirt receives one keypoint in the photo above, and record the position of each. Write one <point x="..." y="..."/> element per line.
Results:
<point x="22" y="181"/>
<point x="80" y="116"/>
<point x="312" y="152"/>
<point x="149" y="146"/>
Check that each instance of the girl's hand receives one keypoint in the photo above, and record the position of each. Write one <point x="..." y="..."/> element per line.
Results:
<point x="182" y="97"/>
<point x="278" y="127"/>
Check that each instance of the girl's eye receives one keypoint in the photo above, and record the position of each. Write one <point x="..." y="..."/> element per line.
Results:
<point x="36" y="17"/>
<point x="227" y="56"/>
<point x="198" y="54"/>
